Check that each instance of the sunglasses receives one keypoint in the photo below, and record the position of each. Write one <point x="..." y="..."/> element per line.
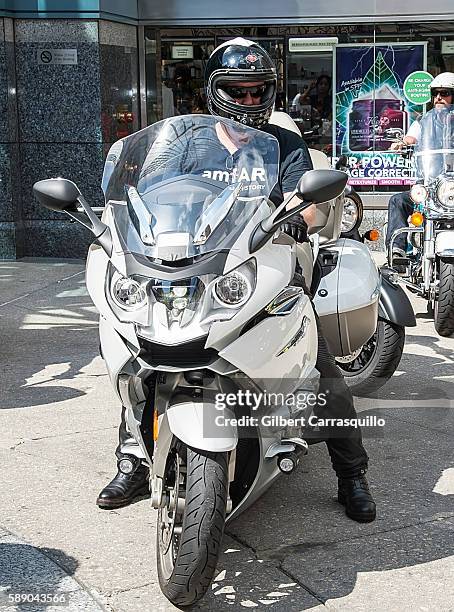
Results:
<point x="444" y="93"/>
<point x="238" y="92"/>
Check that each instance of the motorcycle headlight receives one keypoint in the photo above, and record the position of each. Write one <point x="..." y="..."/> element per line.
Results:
<point x="350" y="215"/>
<point x="233" y="289"/>
<point x="127" y="292"/>
<point x="445" y="193"/>
<point x="181" y="298"/>
<point x="418" y="193"/>
<point x="236" y="287"/>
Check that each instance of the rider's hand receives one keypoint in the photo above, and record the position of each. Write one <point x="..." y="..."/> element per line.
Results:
<point x="296" y="228"/>
<point x="407" y="141"/>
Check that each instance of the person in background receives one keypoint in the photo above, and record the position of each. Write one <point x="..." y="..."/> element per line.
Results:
<point x="168" y="104"/>
<point x="400" y="204"/>
<point x="318" y="95"/>
<point x="199" y="105"/>
<point x="183" y="89"/>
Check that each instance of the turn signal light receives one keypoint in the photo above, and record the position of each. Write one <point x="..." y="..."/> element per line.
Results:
<point x="372" y="235"/>
<point x="155" y="425"/>
<point x="417" y="219"/>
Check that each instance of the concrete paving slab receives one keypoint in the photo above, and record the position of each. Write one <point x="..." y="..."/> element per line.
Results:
<point x="140" y="599"/>
<point x="28" y="572"/>
<point x="52" y="502"/>
<point x="20" y="279"/>
<point x="405" y="467"/>
<point x="400" y="569"/>
<point x="41" y="345"/>
<point x="83" y="402"/>
<point x="242" y="581"/>
<point x="59" y="432"/>
<point x="106" y="542"/>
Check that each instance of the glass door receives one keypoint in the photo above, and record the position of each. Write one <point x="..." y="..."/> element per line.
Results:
<point x="310" y="92"/>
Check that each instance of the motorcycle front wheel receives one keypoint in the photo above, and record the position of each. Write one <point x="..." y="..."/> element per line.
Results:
<point x="444" y="302"/>
<point x="371" y="366"/>
<point x="191" y="524"/>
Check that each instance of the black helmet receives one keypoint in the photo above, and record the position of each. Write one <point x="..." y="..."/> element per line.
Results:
<point x="234" y="61"/>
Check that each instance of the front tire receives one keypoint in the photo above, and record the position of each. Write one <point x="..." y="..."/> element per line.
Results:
<point x="370" y="368"/>
<point x="444" y="303"/>
<point x="189" y="535"/>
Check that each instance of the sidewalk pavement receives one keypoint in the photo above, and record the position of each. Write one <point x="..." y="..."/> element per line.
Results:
<point x="294" y="550"/>
<point x="30" y="572"/>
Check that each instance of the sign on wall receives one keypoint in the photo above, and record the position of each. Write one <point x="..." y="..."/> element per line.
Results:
<point x="372" y="111"/>
<point x="417" y="87"/>
<point x="57" y="56"/>
<point x="447" y="47"/>
<point x="182" y="52"/>
<point x="298" y="45"/>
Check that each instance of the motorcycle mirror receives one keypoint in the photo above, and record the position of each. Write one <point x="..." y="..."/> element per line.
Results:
<point x="62" y="195"/>
<point x="321" y="185"/>
<point x="57" y="194"/>
<point x="314" y="187"/>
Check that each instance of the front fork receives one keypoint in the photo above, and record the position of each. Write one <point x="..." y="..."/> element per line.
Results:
<point x="428" y="256"/>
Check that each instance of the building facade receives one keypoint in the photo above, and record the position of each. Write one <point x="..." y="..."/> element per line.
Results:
<point x="75" y="76"/>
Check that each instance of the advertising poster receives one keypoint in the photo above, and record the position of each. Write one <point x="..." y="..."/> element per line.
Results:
<point x="372" y="111"/>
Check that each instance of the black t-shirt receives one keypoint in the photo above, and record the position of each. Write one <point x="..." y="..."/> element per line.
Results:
<point x="190" y="151"/>
<point x="294" y="160"/>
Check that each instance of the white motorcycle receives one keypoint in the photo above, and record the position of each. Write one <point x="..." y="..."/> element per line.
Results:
<point x="429" y="263"/>
<point x="200" y="308"/>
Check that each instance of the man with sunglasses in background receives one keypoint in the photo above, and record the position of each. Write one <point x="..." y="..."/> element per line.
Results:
<point x="400" y="204"/>
<point x="241" y="82"/>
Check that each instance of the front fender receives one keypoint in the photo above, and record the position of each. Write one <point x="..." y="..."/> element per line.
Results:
<point x="195" y="424"/>
<point x="394" y="304"/>
<point x="444" y="244"/>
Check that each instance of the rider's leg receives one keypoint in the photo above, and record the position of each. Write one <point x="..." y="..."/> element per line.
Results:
<point x="400" y="207"/>
<point x="348" y="456"/>
<point x="127" y="444"/>
<point x="124" y="488"/>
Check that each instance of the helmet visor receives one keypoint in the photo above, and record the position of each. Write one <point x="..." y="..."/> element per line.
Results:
<point x="238" y="92"/>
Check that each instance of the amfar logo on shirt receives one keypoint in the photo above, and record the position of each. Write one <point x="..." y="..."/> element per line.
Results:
<point x="256" y="179"/>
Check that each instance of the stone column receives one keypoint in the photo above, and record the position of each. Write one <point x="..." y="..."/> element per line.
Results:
<point x="59" y="112"/>
<point x="10" y="217"/>
<point x="69" y="111"/>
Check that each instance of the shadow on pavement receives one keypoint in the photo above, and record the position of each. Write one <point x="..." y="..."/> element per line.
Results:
<point x="421" y="376"/>
<point x="47" y="340"/>
<point x="301" y="548"/>
<point x="31" y="580"/>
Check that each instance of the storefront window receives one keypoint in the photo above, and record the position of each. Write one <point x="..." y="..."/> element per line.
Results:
<point x="343" y="85"/>
<point x="182" y="76"/>
<point x="174" y="72"/>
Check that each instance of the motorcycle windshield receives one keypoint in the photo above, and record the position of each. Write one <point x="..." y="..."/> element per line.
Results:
<point x="188" y="185"/>
<point x="434" y="151"/>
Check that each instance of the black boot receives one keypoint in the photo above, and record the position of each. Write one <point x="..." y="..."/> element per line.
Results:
<point x="354" y="494"/>
<point x="124" y="488"/>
